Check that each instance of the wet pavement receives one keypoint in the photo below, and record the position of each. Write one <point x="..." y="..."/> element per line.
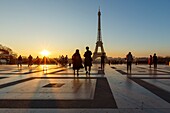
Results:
<point x="56" y="89"/>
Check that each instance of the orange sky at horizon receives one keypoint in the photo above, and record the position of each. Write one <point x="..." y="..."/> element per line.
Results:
<point x="115" y="54"/>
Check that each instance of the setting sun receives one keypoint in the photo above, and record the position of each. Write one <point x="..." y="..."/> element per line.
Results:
<point x="45" y="53"/>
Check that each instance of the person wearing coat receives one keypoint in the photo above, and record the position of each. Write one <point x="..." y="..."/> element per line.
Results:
<point x="77" y="62"/>
<point x="129" y="59"/>
<point x="87" y="60"/>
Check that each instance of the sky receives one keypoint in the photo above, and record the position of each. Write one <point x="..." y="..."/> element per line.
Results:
<point x="62" y="26"/>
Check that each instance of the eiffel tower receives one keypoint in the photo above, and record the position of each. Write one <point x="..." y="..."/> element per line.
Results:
<point x="99" y="42"/>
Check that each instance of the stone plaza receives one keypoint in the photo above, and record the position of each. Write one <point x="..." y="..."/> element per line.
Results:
<point x="56" y="89"/>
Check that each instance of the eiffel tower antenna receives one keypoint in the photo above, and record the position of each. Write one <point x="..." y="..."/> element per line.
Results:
<point x="99" y="42"/>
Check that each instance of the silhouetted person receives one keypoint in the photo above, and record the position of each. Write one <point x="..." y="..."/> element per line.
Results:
<point x="69" y="64"/>
<point x="150" y="60"/>
<point x="66" y="60"/>
<point x="109" y="62"/>
<point x="129" y="59"/>
<point x="30" y="60"/>
<point x="44" y="63"/>
<point x="155" y="60"/>
<point x="102" y="61"/>
<point x="44" y="60"/>
<point x="19" y="63"/>
<point x="77" y="62"/>
<point x="62" y="60"/>
<point x="87" y="60"/>
<point x="38" y="61"/>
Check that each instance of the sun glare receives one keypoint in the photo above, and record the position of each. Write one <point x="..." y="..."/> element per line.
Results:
<point x="45" y="53"/>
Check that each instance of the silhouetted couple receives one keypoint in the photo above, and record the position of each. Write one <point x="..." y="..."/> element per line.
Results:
<point x="77" y="61"/>
<point x="153" y="60"/>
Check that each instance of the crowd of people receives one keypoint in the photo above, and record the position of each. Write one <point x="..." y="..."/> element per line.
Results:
<point x="78" y="62"/>
<point x="31" y="61"/>
<point x="63" y="61"/>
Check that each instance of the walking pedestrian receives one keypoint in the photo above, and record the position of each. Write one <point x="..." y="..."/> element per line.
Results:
<point x="150" y="60"/>
<point x="129" y="59"/>
<point x="102" y="61"/>
<point x="87" y="60"/>
<point x="77" y="62"/>
<point x="155" y="61"/>
<point x="30" y="60"/>
<point x="19" y="63"/>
